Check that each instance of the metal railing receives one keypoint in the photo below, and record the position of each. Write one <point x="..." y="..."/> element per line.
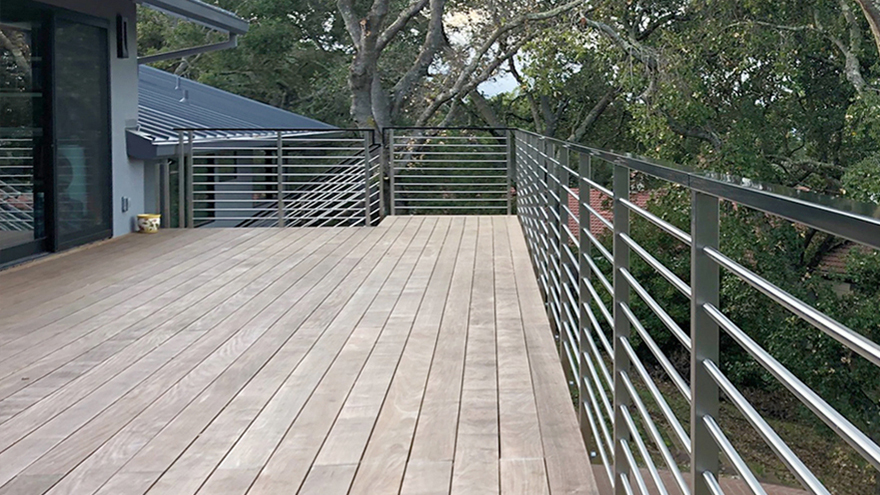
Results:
<point x="16" y="184"/>
<point x="283" y="178"/>
<point x="590" y="292"/>
<point x="449" y="170"/>
<point x="575" y="205"/>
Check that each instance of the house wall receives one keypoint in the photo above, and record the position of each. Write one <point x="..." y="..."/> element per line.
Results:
<point x="128" y="174"/>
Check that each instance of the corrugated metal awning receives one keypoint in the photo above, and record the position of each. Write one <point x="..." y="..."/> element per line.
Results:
<point x="167" y="102"/>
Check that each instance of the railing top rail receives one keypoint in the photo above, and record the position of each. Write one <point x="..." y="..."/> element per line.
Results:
<point x="274" y="129"/>
<point x="843" y="217"/>
<point x="461" y="128"/>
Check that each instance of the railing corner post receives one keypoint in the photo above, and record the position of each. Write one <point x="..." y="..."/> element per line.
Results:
<point x="392" y="208"/>
<point x="705" y="287"/>
<point x="621" y="185"/>
<point x="368" y="142"/>
<point x="279" y="157"/>
<point x="511" y="168"/>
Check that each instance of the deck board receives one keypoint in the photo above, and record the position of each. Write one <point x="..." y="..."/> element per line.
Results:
<point x="412" y="358"/>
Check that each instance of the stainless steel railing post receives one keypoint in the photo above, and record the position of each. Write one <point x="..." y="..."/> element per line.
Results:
<point x="621" y="326"/>
<point x="584" y="276"/>
<point x="279" y="157"/>
<point x="511" y="168"/>
<point x="561" y="153"/>
<point x="705" y="284"/>
<point x="181" y="180"/>
<point x="165" y="191"/>
<point x="392" y="209"/>
<point x="367" y="159"/>
<point x="190" y="184"/>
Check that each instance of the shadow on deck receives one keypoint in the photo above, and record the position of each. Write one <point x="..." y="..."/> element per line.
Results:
<point x="414" y="357"/>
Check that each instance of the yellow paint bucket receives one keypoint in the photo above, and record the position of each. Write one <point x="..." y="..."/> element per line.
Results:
<point x="148" y="223"/>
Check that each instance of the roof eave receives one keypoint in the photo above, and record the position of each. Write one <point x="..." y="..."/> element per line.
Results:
<point x="201" y="13"/>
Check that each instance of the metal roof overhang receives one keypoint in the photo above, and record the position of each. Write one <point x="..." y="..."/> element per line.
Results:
<point x="202" y="13"/>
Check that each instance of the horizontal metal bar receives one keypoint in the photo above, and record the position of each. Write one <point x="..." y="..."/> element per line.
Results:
<point x="733" y="456"/>
<point x="658" y="439"/>
<point x="595" y="185"/>
<point x="843" y="334"/>
<point x="451" y="145"/>
<point x="624" y="482"/>
<point x="603" y="427"/>
<point x="794" y="464"/>
<point x="419" y="176"/>
<point x="445" y="153"/>
<point x="680" y="435"/>
<point x="403" y="137"/>
<point x="595" y="214"/>
<point x="449" y="192"/>
<point x="667" y="366"/>
<point x="659" y="222"/>
<point x="600" y="304"/>
<point x="596" y="438"/>
<point x="634" y="470"/>
<point x="455" y="207"/>
<point x="643" y="451"/>
<point x="400" y="159"/>
<point x="451" y="169"/>
<point x="676" y="282"/>
<point x="712" y="483"/>
<point x="836" y="421"/>
<point x="657" y="309"/>
<point x="595" y="242"/>
<point x="482" y="200"/>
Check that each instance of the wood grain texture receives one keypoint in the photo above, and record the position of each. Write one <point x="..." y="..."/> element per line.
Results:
<point x="413" y="358"/>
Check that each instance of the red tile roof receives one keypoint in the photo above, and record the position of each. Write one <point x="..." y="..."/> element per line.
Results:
<point x="602" y="204"/>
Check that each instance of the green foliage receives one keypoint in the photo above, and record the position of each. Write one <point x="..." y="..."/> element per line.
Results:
<point x="293" y="56"/>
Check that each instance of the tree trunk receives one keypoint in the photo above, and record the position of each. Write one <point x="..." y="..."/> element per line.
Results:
<point x="871" y="8"/>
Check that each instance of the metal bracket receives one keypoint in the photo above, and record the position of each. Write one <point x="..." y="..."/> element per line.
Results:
<point x="232" y="42"/>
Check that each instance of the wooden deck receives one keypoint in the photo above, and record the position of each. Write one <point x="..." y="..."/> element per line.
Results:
<point x="411" y="358"/>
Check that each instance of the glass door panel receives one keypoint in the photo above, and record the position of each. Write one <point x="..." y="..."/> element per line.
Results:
<point x="22" y="117"/>
<point x="82" y="126"/>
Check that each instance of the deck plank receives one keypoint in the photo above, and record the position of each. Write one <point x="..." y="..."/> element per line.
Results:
<point x="411" y="358"/>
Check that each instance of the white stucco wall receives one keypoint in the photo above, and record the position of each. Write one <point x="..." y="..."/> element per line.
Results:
<point x="128" y="174"/>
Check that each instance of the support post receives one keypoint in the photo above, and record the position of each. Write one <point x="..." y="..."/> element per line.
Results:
<point x="181" y="180"/>
<point x="585" y="276"/>
<point x="368" y="141"/>
<point x="393" y="205"/>
<point x="561" y="243"/>
<point x="190" y="184"/>
<point x="511" y="168"/>
<point x="279" y="160"/>
<point x="705" y="285"/>
<point x="165" y="191"/>
<point x="621" y="324"/>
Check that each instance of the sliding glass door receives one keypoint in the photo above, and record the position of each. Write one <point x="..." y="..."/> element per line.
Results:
<point x="82" y="133"/>
<point x="55" y="159"/>
<point x="23" y="118"/>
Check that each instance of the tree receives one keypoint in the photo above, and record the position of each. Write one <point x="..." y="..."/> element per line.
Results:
<point x="496" y="30"/>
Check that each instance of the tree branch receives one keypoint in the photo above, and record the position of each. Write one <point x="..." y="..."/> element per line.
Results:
<point x="871" y="9"/>
<point x="703" y="134"/>
<point x="484" y="109"/>
<point x="593" y="115"/>
<point x="464" y="85"/>
<point x="533" y="104"/>
<point x="433" y="41"/>
<point x="346" y="10"/>
<point x="400" y="22"/>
